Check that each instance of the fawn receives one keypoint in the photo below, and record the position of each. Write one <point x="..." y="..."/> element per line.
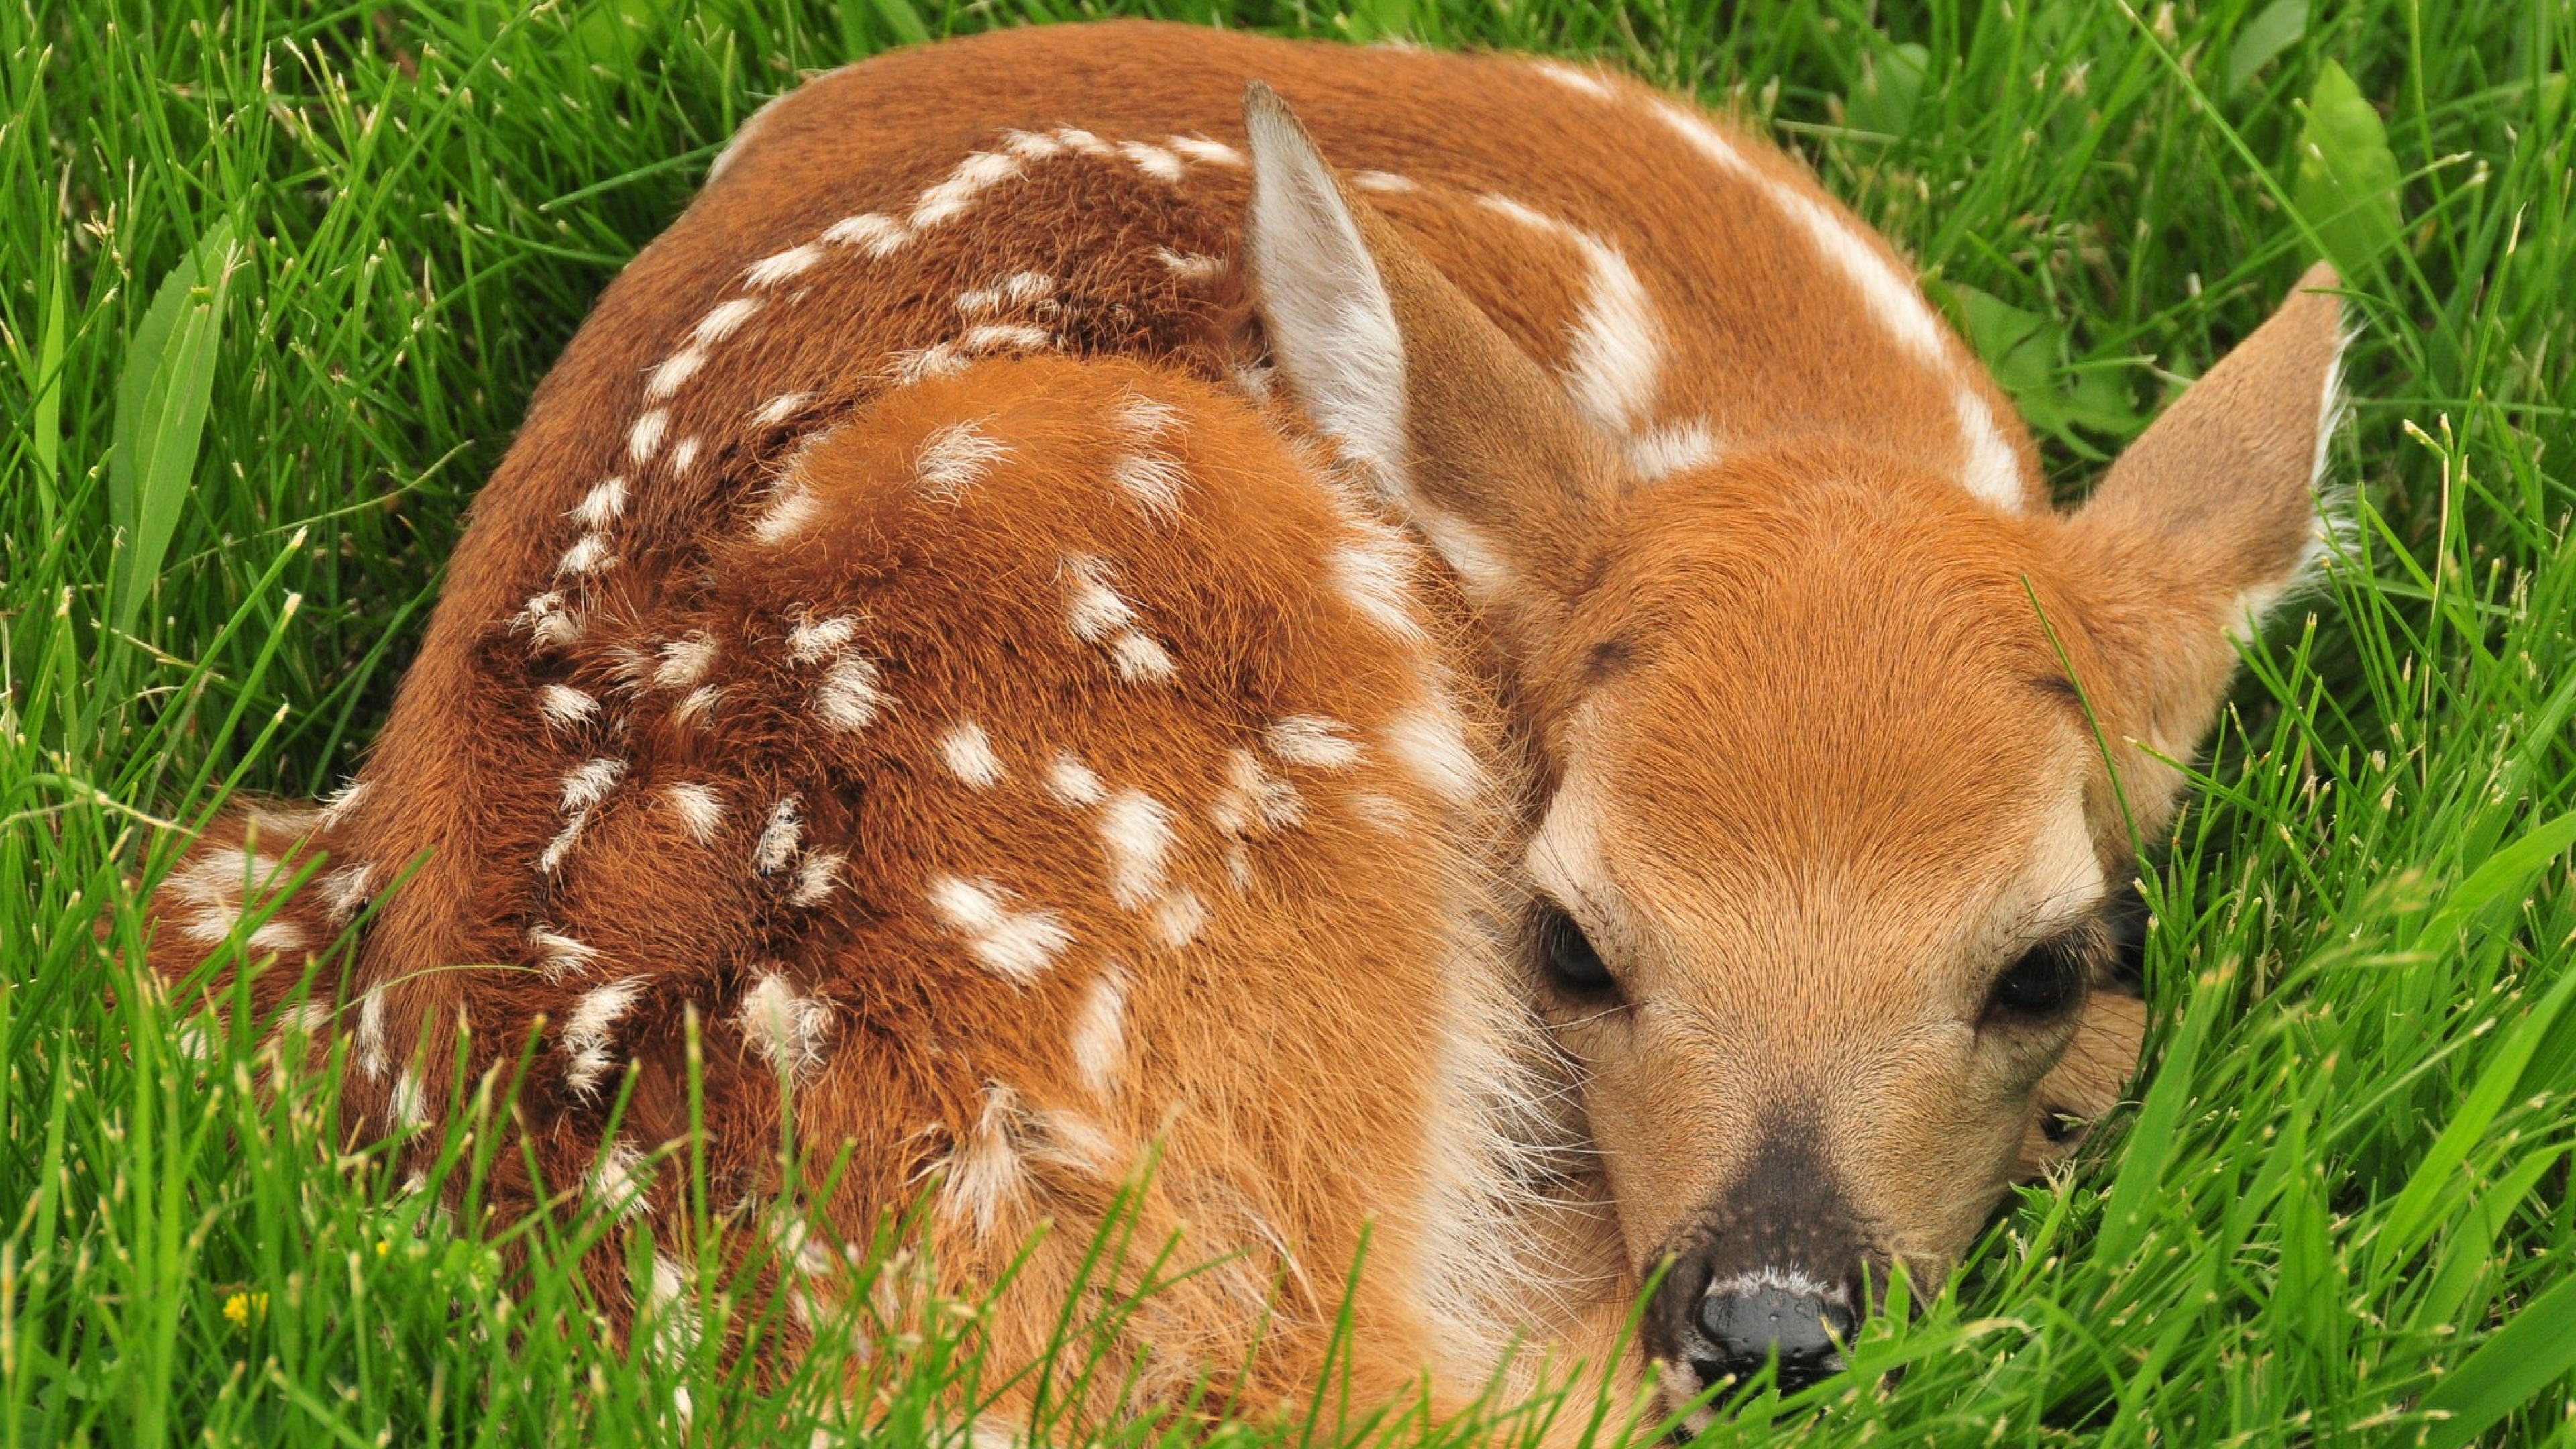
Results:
<point x="1523" y="698"/>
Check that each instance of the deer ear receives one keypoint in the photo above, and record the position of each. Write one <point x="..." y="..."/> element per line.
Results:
<point x="1464" y="433"/>
<point x="2210" y="518"/>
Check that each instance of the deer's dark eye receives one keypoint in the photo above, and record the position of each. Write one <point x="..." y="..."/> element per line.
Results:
<point x="2045" y="981"/>
<point x="1571" y="961"/>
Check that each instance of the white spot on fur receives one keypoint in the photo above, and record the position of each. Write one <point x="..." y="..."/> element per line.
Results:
<point x="1433" y="745"/>
<point x="700" y="808"/>
<point x="1018" y="946"/>
<point x="1072" y="784"/>
<point x="779" y="409"/>
<point x="873" y="232"/>
<point x="588" y="555"/>
<point x="1099" y="1036"/>
<point x="1205" y="151"/>
<point x="684" y="661"/>
<point x="1988" y="467"/>
<point x="724" y="319"/>
<point x="1384" y="183"/>
<point x="956" y="458"/>
<point x="617" y="1181"/>
<point x="778" y="267"/>
<point x="698" y="709"/>
<point x="1377" y="579"/>
<point x="968" y="753"/>
<point x="1136" y="836"/>
<point x="952" y="196"/>
<point x="1153" y="480"/>
<point x="1581" y="81"/>
<point x="1005" y="337"/>
<point x="589" y="782"/>
<point x="1095" y="610"/>
<point x="1668" y="448"/>
<point x="786" y="1027"/>
<point x="1140" y="659"/>
<point x="603" y="505"/>
<point x="345" y="890"/>
<point x="549" y="624"/>
<point x="986" y="1179"/>
<point x="1254" y="798"/>
<point x="1077" y="139"/>
<point x="848" y="698"/>
<point x="814" y="640"/>
<point x="645" y="437"/>
<point x="684" y="454"/>
<point x="1032" y="145"/>
<point x="559" y="955"/>
<point x="588" y="1036"/>
<point x="674" y="373"/>
<point x="564" y="706"/>
<point x="1146" y="417"/>
<point x="1190" y="266"/>
<point x="1705" y="139"/>
<point x="409" y="1112"/>
<point x="791" y="508"/>
<point x="1615" y="363"/>
<point x="342" y="804"/>
<point x="1312" y="739"/>
<point x="776" y="847"/>
<point x="1179" y="917"/>
<point x="371" y="1033"/>
<point x="1154" y="161"/>
<point x="816" y="878"/>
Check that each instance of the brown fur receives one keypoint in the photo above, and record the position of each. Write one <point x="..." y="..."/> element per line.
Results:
<point x="1778" y="723"/>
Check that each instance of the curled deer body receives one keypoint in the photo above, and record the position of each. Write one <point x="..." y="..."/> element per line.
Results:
<point x="1468" y="664"/>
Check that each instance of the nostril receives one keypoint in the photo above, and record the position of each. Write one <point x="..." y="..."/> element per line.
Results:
<point x="1746" y="1324"/>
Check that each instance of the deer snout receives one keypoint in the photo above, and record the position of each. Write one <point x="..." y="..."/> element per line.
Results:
<point x="1745" y="1320"/>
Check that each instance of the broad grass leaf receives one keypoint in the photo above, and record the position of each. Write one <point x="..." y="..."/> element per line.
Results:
<point x="161" y="401"/>
<point x="1890" y="89"/>
<point x="2522" y="1358"/>
<point x="2347" y="184"/>
<point x="2024" y="350"/>
<point x="2262" y="39"/>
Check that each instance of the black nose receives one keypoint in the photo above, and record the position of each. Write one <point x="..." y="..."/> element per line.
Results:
<point x="1745" y="1324"/>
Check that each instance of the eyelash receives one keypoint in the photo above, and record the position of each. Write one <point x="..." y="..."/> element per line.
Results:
<point x="2047" y="981"/>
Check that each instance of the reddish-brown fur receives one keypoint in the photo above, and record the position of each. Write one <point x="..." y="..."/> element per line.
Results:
<point x="1781" y="702"/>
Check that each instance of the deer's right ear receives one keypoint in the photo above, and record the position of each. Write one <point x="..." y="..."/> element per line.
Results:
<point x="1463" y="431"/>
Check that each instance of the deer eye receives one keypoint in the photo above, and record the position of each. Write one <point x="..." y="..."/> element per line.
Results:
<point x="1571" y="961"/>
<point x="2044" y="982"/>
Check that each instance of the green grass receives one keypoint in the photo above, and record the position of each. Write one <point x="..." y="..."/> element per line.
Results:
<point x="2340" y="1210"/>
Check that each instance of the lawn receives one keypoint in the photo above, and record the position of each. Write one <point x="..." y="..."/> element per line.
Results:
<point x="276" y="281"/>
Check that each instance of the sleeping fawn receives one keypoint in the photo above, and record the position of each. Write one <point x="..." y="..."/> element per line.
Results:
<point x="1469" y="666"/>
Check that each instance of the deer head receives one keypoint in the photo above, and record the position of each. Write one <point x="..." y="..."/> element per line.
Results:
<point x="1840" y="768"/>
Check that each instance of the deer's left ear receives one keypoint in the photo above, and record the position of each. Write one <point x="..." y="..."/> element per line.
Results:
<point x="1464" y="432"/>
<point x="2209" y="519"/>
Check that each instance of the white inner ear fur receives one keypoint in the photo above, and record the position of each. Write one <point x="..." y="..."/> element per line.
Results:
<point x="2330" y="533"/>
<point x="1326" y="309"/>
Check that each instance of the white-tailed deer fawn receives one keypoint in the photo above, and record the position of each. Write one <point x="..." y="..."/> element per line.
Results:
<point x="1523" y="695"/>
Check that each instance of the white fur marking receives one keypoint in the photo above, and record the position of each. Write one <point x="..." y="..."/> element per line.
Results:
<point x="674" y="373"/>
<point x="1312" y="739"/>
<point x="778" y="267"/>
<point x="1072" y="784"/>
<point x="814" y="640"/>
<point x="875" y="233"/>
<point x="685" y="661"/>
<point x="816" y="878"/>
<point x="564" y="706"/>
<point x="1099" y="1036"/>
<point x="1153" y="480"/>
<point x="1017" y="946"/>
<point x="603" y="505"/>
<point x="1205" y="151"/>
<point x="1136" y="836"/>
<point x="786" y="1027"/>
<point x="699" y="807"/>
<point x="791" y="508"/>
<point x="956" y="458"/>
<point x="1663" y="450"/>
<point x="646" y="436"/>
<point x="779" y="838"/>
<point x="848" y="698"/>
<point x="724" y="319"/>
<point x="588" y="1038"/>
<point x="968" y="753"/>
<point x="1432" y="744"/>
<point x="779" y="409"/>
